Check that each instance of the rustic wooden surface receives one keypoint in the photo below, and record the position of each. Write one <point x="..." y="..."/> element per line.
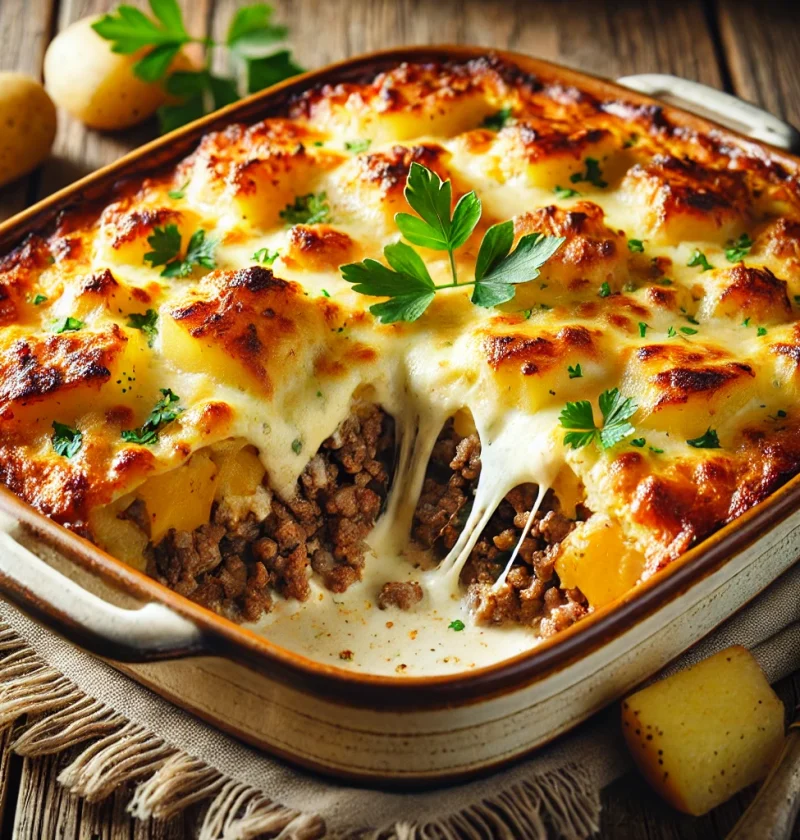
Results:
<point x="749" y="48"/>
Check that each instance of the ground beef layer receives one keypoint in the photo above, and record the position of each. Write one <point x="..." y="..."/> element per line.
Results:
<point x="532" y="594"/>
<point x="230" y="566"/>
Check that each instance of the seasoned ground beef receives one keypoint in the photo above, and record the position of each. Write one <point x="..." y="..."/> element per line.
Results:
<point x="532" y="594"/>
<point x="400" y="594"/>
<point x="230" y="565"/>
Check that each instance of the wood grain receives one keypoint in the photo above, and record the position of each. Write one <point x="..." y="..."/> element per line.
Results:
<point x="754" y="48"/>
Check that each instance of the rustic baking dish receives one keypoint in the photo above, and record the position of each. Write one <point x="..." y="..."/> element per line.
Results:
<point x="381" y="728"/>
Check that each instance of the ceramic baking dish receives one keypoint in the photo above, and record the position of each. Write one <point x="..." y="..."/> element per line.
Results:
<point x="383" y="728"/>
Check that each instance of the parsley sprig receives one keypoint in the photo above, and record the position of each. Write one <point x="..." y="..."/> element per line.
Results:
<point x="147" y="322"/>
<point x="308" y="209"/>
<point x="407" y="282"/>
<point x="578" y="418"/>
<point x="166" y="245"/>
<point x="699" y="259"/>
<point x="708" y="440"/>
<point x="738" y="249"/>
<point x="164" y="412"/>
<point x="593" y="174"/>
<point x="66" y="440"/>
<point x="251" y="43"/>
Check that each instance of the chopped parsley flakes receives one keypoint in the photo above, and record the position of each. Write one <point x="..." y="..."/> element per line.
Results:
<point x="164" y="412"/>
<point x="308" y="209"/>
<point x="66" y="440"/>
<point x="147" y="323"/>
<point x="68" y="324"/>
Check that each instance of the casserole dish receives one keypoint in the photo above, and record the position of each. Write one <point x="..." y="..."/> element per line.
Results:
<point x="372" y="726"/>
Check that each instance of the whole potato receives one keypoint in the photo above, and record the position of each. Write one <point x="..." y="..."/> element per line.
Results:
<point x="27" y="125"/>
<point x="96" y="85"/>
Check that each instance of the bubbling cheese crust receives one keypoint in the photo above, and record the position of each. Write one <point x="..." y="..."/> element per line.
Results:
<point x="273" y="356"/>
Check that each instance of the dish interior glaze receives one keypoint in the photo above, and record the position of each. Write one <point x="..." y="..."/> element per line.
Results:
<point x="193" y="378"/>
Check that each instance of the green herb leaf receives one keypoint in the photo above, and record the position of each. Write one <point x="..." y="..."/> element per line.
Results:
<point x="495" y="247"/>
<point x="171" y="117"/>
<point x="708" y="440"/>
<point x="496" y="284"/>
<point x="265" y="256"/>
<point x="270" y="70"/>
<point x="698" y="258"/>
<point x="180" y="193"/>
<point x="457" y="625"/>
<point x="297" y="446"/>
<point x="39" y="299"/>
<point x="308" y="209"/>
<point x="746" y="322"/>
<point x="640" y="442"/>
<point x="357" y="146"/>
<point x="593" y="174"/>
<point x="574" y="372"/>
<point x="761" y="331"/>
<point x="688" y="331"/>
<point x="565" y="192"/>
<point x="655" y="450"/>
<point x="66" y="440"/>
<point x="68" y="324"/>
<point x="636" y="246"/>
<point x="738" y="249"/>
<point x="164" y="412"/>
<point x="579" y="419"/>
<point x="497" y="120"/>
<point x="605" y="290"/>
<point x="147" y="323"/>
<point x="251" y="31"/>
<point x="643" y="328"/>
<point x="671" y="333"/>
<point x="166" y="245"/>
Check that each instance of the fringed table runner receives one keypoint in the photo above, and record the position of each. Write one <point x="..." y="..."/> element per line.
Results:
<point x="61" y="697"/>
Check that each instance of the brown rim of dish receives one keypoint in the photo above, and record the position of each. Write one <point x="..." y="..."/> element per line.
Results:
<point x="224" y="638"/>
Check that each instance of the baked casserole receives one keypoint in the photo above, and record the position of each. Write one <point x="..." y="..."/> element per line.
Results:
<point x="453" y="344"/>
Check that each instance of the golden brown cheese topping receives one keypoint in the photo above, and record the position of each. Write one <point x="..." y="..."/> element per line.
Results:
<point x="206" y="304"/>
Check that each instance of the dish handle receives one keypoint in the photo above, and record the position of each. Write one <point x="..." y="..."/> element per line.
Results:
<point x="729" y="110"/>
<point x="148" y="633"/>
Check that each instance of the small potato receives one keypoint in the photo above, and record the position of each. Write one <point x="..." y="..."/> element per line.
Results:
<point x="96" y="85"/>
<point x="27" y="125"/>
<point x="705" y="733"/>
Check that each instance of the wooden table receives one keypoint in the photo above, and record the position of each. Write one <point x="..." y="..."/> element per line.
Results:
<point x="749" y="48"/>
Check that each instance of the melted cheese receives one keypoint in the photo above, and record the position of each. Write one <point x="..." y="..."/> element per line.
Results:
<point x="274" y="358"/>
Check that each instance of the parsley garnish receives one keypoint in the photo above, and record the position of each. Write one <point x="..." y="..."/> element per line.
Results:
<point x="265" y="256"/>
<point x="574" y="372"/>
<point x="565" y="192"/>
<point x="671" y="332"/>
<point x="166" y="245"/>
<point x="688" y="331"/>
<point x="691" y="319"/>
<point x="251" y="40"/>
<point x="708" y="440"/>
<point x="68" y="324"/>
<point x="66" y="440"/>
<point x="643" y="328"/>
<point x="761" y="331"/>
<point x="579" y="419"/>
<point x="698" y="258"/>
<point x="147" y="323"/>
<point x="357" y="146"/>
<point x="38" y="299"/>
<point x="297" y="446"/>
<point x="640" y="442"/>
<point x="655" y="450"/>
<point x="457" y="625"/>
<point x="746" y="322"/>
<point x="636" y="246"/>
<point x="738" y="249"/>
<point x="407" y="282"/>
<point x="605" y="290"/>
<point x="593" y="174"/>
<point x="309" y="209"/>
<point x="164" y="412"/>
<point x="179" y="193"/>
<point x="497" y="120"/>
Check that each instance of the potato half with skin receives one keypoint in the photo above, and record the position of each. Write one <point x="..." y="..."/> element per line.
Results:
<point x="27" y="125"/>
<point x="96" y="85"/>
<point x="705" y="733"/>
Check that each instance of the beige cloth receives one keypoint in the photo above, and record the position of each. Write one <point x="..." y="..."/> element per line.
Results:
<point x="175" y="759"/>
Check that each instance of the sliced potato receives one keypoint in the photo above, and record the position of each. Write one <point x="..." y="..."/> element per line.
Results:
<point x="705" y="733"/>
<point x="27" y="125"/>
